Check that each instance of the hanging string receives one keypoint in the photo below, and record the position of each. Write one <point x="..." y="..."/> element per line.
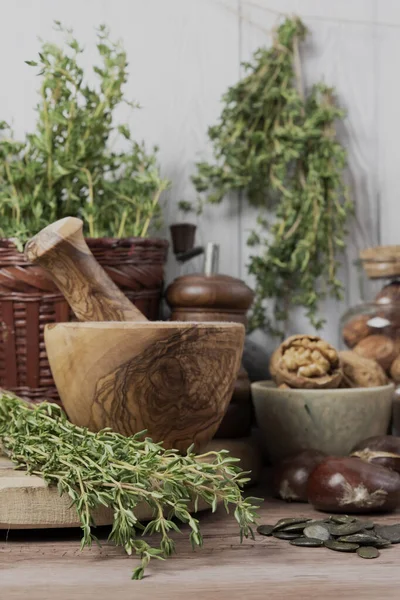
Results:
<point x="305" y="17"/>
<point x="321" y="18"/>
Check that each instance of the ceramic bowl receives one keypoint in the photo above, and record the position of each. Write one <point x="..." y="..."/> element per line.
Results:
<point x="173" y="379"/>
<point x="332" y="421"/>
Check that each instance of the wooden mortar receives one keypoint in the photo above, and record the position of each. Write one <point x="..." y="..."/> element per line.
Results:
<point x="121" y="371"/>
<point x="211" y="296"/>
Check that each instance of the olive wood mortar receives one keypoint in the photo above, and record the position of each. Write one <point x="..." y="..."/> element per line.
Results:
<point x="121" y="371"/>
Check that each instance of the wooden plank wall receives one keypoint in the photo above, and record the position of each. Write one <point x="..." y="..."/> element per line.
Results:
<point x="184" y="53"/>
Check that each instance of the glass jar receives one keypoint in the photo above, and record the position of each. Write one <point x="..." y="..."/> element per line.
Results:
<point x="372" y="328"/>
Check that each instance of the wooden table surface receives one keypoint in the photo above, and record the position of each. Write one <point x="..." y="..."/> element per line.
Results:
<point x="49" y="566"/>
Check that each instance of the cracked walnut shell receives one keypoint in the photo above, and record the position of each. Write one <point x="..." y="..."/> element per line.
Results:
<point x="306" y="361"/>
<point x="395" y="370"/>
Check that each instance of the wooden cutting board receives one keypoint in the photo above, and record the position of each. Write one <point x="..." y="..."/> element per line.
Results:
<point x="27" y="502"/>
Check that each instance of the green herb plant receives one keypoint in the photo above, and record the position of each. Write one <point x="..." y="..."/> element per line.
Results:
<point x="67" y="166"/>
<point x="278" y="146"/>
<point x="186" y="208"/>
<point x="120" y="472"/>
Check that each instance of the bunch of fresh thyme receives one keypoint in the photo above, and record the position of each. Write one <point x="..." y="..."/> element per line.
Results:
<point x="119" y="472"/>
<point x="277" y="145"/>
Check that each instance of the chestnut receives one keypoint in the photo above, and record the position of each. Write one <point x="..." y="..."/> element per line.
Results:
<point x="290" y="476"/>
<point x="356" y="330"/>
<point x="378" y="347"/>
<point x="389" y="294"/>
<point x="382" y="450"/>
<point x="350" y="485"/>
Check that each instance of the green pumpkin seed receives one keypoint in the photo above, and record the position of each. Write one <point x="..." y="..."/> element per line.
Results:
<point x="364" y="539"/>
<point x="381" y="543"/>
<point x="368" y="552"/>
<point x="319" y="522"/>
<point x="342" y="519"/>
<point x="285" y="535"/>
<point x="265" y="529"/>
<point x="319" y="532"/>
<point x="346" y="528"/>
<point x="389" y="532"/>
<point x="367" y="524"/>
<point x="296" y="527"/>
<point x="340" y="546"/>
<point x="307" y="542"/>
<point x="282" y="523"/>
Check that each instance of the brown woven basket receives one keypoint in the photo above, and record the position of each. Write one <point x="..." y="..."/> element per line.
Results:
<point x="29" y="300"/>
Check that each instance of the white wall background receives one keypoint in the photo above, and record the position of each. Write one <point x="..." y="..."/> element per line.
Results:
<point x="184" y="53"/>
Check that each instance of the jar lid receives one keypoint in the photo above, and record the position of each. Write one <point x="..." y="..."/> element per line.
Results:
<point x="381" y="261"/>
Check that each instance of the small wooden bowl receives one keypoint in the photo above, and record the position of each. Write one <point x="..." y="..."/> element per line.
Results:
<point x="332" y="421"/>
<point x="173" y="379"/>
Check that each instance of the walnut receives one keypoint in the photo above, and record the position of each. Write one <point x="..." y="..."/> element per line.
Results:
<point x="395" y="370"/>
<point x="306" y="361"/>
<point x="380" y="348"/>
<point x="361" y="372"/>
<point x="273" y="362"/>
<point x="356" y="330"/>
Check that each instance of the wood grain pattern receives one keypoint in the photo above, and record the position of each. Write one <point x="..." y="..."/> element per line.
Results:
<point x="217" y="297"/>
<point x="51" y="565"/>
<point x="61" y="249"/>
<point x="173" y="379"/>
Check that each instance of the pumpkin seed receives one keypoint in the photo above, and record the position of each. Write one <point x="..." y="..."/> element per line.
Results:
<point x="346" y="528"/>
<point x="351" y="534"/>
<point x="340" y="546"/>
<point x="342" y="519"/>
<point x="265" y="529"/>
<point x="368" y="552"/>
<point x="381" y="543"/>
<point x="296" y="527"/>
<point x="318" y="532"/>
<point x="367" y="524"/>
<point x="389" y="532"/>
<point x="307" y="542"/>
<point x="364" y="539"/>
<point x="282" y="523"/>
<point x="285" y="535"/>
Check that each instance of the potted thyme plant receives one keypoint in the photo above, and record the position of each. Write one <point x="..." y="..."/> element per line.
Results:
<point x="77" y="162"/>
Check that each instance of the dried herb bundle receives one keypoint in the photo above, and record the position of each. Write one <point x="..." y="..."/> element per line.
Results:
<point x="109" y="469"/>
<point x="279" y="148"/>
<point x="67" y="165"/>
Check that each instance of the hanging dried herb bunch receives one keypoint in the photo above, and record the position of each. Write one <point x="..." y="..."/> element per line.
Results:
<point x="67" y="166"/>
<point x="280" y="148"/>
<point x="119" y="472"/>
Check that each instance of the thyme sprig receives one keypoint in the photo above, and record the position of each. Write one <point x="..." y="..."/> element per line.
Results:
<point x="277" y="144"/>
<point x="120" y="472"/>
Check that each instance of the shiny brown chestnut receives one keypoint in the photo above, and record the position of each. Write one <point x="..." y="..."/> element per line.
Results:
<point x="350" y="485"/>
<point x="290" y="476"/>
<point x="382" y="450"/>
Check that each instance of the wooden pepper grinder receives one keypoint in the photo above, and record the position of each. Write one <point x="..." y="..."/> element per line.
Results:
<point x="210" y="296"/>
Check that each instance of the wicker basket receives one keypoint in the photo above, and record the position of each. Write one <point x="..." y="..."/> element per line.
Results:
<point x="29" y="300"/>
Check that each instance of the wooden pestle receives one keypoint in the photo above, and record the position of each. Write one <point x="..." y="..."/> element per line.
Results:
<point x="61" y="250"/>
